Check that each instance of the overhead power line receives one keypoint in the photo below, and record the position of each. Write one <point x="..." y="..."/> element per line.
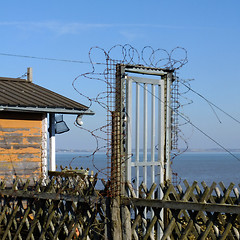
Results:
<point x="51" y="59"/>
<point x="210" y="103"/>
<point x="195" y="126"/>
<point x="181" y="115"/>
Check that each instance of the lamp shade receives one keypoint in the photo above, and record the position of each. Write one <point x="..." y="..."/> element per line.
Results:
<point x="60" y="125"/>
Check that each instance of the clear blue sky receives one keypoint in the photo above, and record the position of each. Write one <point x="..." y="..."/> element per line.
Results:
<point x="209" y="30"/>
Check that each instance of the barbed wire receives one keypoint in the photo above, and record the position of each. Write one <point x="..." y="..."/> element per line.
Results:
<point x="178" y="110"/>
<point x="127" y="54"/>
<point x="161" y="58"/>
<point x="119" y="54"/>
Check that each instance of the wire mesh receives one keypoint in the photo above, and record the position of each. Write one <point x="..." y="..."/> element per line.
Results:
<point x="107" y="136"/>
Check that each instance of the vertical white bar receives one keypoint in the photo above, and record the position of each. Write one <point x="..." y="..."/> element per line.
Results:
<point x="137" y="136"/>
<point x="44" y="146"/>
<point x="52" y="144"/>
<point x="145" y="116"/>
<point x="161" y="149"/>
<point x="168" y="128"/>
<point x="153" y="130"/>
<point x="161" y="140"/>
<point x="145" y="112"/>
<point x="153" y="134"/>
<point x="128" y="129"/>
<point x="159" y="136"/>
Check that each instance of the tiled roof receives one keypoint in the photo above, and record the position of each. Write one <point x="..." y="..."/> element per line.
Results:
<point x="20" y="94"/>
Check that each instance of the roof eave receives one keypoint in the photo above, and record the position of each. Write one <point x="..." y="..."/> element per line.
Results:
<point x="47" y="110"/>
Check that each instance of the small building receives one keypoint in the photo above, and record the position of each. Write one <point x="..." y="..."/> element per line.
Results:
<point x="27" y="120"/>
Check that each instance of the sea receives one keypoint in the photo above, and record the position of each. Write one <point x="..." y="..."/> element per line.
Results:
<point x="191" y="166"/>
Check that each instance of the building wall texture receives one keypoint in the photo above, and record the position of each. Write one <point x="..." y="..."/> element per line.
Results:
<point x="20" y="145"/>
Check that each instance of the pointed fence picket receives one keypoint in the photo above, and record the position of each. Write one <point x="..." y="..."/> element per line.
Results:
<point x="197" y="212"/>
<point x="67" y="206"/>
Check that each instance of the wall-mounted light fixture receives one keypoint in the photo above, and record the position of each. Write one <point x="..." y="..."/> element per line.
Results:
<point x="60" y="125"/>
<point x="79" y="120"/>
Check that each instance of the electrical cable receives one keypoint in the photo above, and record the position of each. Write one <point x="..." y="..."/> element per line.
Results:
<point x="129" y="52"/>
<point x="51" y="59"/>
<point x="209" y="102"/>
<point x="129" y="55"/>
<point x="196" y="127"/>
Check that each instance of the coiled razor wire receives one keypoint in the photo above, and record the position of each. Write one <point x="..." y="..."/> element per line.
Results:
<point x="123" y="54"/>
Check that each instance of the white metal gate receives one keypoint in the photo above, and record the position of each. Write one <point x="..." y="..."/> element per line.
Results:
<point x="146" y="117"/>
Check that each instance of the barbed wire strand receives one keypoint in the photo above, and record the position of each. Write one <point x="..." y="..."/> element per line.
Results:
<point x="126" y="54"/>
<point x="129" y="55"/>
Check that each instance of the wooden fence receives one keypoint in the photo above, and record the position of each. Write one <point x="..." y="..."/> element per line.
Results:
<point x="61" y="207"/>
<point x="191" y="213"/>
<point x="67" y="206"/>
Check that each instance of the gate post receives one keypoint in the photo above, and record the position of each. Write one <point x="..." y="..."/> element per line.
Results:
<point x="118" y="126"/>
<point x="116" y="177"/>
<point x="117" y="187"/>
<point x="129" y="78"/>
<point x="168" y="146"/>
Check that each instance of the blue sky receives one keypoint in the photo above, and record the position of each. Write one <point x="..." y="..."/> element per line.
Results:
<point x="208" y="30"/>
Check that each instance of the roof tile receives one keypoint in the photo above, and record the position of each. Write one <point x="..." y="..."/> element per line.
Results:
<point x="22" y="93"/>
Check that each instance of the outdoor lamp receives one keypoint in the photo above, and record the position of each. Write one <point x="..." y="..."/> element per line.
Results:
<point x="79" y="120"/>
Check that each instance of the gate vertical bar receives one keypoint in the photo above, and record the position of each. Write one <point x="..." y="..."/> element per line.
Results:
<point x="137" y="136"/>
<point x="153" y="130"/>
<point x="128" y="129"/>
<point x="161" y="148"/>
<point x="145" y="127"/>
<point x="162" y="133"/>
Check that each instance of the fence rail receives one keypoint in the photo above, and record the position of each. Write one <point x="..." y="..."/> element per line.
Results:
<point x="67" y="206"/>
<point x="198" y="212"/>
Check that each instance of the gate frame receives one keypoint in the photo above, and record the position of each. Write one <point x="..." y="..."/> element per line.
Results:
<point x="123" y="104"/>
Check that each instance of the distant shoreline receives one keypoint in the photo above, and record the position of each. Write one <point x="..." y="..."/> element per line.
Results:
<point x="212" y="150"/>
<point x="181" y="150"/>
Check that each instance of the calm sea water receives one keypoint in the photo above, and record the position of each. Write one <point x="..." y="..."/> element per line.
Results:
<point x="206" y="167"/>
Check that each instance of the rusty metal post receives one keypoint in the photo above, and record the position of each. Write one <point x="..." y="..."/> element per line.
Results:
<point x="116" y="155"/>
<point x="116" y="177"/>
<point x="116" y="173"/>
